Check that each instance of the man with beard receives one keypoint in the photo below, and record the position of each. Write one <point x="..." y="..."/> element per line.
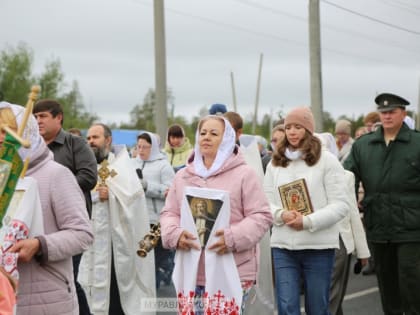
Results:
<point x="115" y="278"/>
<point x="72" y="152"/>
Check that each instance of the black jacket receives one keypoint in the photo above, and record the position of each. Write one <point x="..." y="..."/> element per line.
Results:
<point x="74" y="153"/>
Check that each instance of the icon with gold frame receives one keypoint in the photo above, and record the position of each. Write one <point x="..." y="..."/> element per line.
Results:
<point x="295" y="196"/>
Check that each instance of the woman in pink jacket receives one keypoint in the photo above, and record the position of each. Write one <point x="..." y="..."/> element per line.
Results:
<point x="218" y="164"/>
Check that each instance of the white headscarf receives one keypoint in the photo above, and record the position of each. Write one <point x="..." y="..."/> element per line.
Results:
<point x="224" y="151"/>
<point x="31" y="131"/>
<point x="328" y="142"/>
<point x="155" y="153"/>
<point x="410" y="122"/>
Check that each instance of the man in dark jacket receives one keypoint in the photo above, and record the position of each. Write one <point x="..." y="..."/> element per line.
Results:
<point x="74" y="153"/>
<point x="387" y="163"/>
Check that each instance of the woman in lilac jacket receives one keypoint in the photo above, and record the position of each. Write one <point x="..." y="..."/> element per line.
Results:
<point x="218" y="164"/>
<point x="46" y="285"/>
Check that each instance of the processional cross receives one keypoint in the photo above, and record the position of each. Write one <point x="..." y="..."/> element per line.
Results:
<point x="104" y="172"/>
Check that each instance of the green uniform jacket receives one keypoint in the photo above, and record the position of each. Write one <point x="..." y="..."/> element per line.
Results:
<point x="391" y="180"/>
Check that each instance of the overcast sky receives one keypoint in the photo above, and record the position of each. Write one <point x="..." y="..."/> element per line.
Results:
<point x="107" y="46"/>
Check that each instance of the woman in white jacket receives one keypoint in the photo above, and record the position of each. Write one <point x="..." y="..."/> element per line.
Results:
<point x="303" y="245"/>
<point x="156" y="175"/>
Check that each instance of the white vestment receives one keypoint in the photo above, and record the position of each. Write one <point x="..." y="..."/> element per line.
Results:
<point x="261" y="297"/>
<point x="23" y="219"/>
<point x="120" y="222"/>
<point x="251" y="153"/>
<point x="222" y="277"/>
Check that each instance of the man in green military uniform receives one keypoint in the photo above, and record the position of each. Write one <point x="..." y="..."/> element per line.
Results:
<point x="387" y="163"/>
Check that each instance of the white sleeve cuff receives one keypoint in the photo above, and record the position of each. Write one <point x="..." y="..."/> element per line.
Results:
<point x="307" y="223"/>
<point x="277" y="217"/>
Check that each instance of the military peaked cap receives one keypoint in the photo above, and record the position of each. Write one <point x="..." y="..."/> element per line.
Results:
<point x="387" y="101"/>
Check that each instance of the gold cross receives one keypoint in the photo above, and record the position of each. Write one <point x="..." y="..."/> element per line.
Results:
<point x="104" y="172"/>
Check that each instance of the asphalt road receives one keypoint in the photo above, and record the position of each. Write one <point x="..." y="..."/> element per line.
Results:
<point x="362" y="297"/>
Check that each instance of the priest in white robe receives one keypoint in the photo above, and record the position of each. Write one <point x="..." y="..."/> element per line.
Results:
<point x="115" y="279"/>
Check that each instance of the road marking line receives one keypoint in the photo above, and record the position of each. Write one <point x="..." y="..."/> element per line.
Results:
<point x="361" y="293"/>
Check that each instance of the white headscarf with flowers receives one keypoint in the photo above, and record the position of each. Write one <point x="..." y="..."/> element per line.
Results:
<point x="224" y="151"/>
<point x="30" y="132"/>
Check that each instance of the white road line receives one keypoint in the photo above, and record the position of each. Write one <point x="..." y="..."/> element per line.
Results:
<point x="361" y="293"/>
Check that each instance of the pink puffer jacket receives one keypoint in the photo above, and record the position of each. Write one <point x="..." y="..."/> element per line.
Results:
<point x="250" y="212"/>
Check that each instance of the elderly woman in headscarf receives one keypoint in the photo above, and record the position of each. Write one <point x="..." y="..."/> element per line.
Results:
<point x="218" y="166"/>
<point x="45" y="228"/>
<point x="156" y="176"/>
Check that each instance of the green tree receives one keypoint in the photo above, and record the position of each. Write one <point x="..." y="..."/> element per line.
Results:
<point x="16" y="73"/>
<point x="142" y="116"/>
<point x="265" y="127"/>
<point x="74" y="111"/>
<point x="329" y="122"/>
<point x="53" y="87"/>
<point x="51" y="80"/>
<point x="16" y="79"/>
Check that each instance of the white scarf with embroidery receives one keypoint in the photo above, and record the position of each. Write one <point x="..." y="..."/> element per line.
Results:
<point x="23" y="219"/>
<point x="223" y="289"/>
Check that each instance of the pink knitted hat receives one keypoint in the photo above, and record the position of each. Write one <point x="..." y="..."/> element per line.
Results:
<point x="301" y="116"/>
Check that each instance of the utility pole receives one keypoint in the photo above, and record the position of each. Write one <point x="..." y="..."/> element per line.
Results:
<point x="235" y="109"/>
<point x="257" y="97"/>
<point x="315" y="63"/>
<point x="161" y="112"/>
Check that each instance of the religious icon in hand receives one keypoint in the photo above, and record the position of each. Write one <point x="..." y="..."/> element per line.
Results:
<point x="295" y="196"/>
<point x="204" y="212"/>
<point x="295" y="200"/>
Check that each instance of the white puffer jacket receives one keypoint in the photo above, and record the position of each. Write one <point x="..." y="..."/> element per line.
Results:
<point x="326" y="186"/>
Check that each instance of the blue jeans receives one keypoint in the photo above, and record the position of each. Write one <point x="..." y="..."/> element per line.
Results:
<point x="314" y="267"/>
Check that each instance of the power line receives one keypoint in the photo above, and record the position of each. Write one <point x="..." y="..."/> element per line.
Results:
<point x="405" y="5"/>
<point x="371" y="18"/>
<point x="401" y="7"/>
<point x="250" y="31"/>
<point x="275" y="11"/>
<point x="272" y="10"/>
<point x="235" y="27"/>
<point x="263" y="34"/>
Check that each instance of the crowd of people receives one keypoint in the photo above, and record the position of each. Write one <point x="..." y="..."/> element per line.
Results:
<point x="245" y="226"/>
